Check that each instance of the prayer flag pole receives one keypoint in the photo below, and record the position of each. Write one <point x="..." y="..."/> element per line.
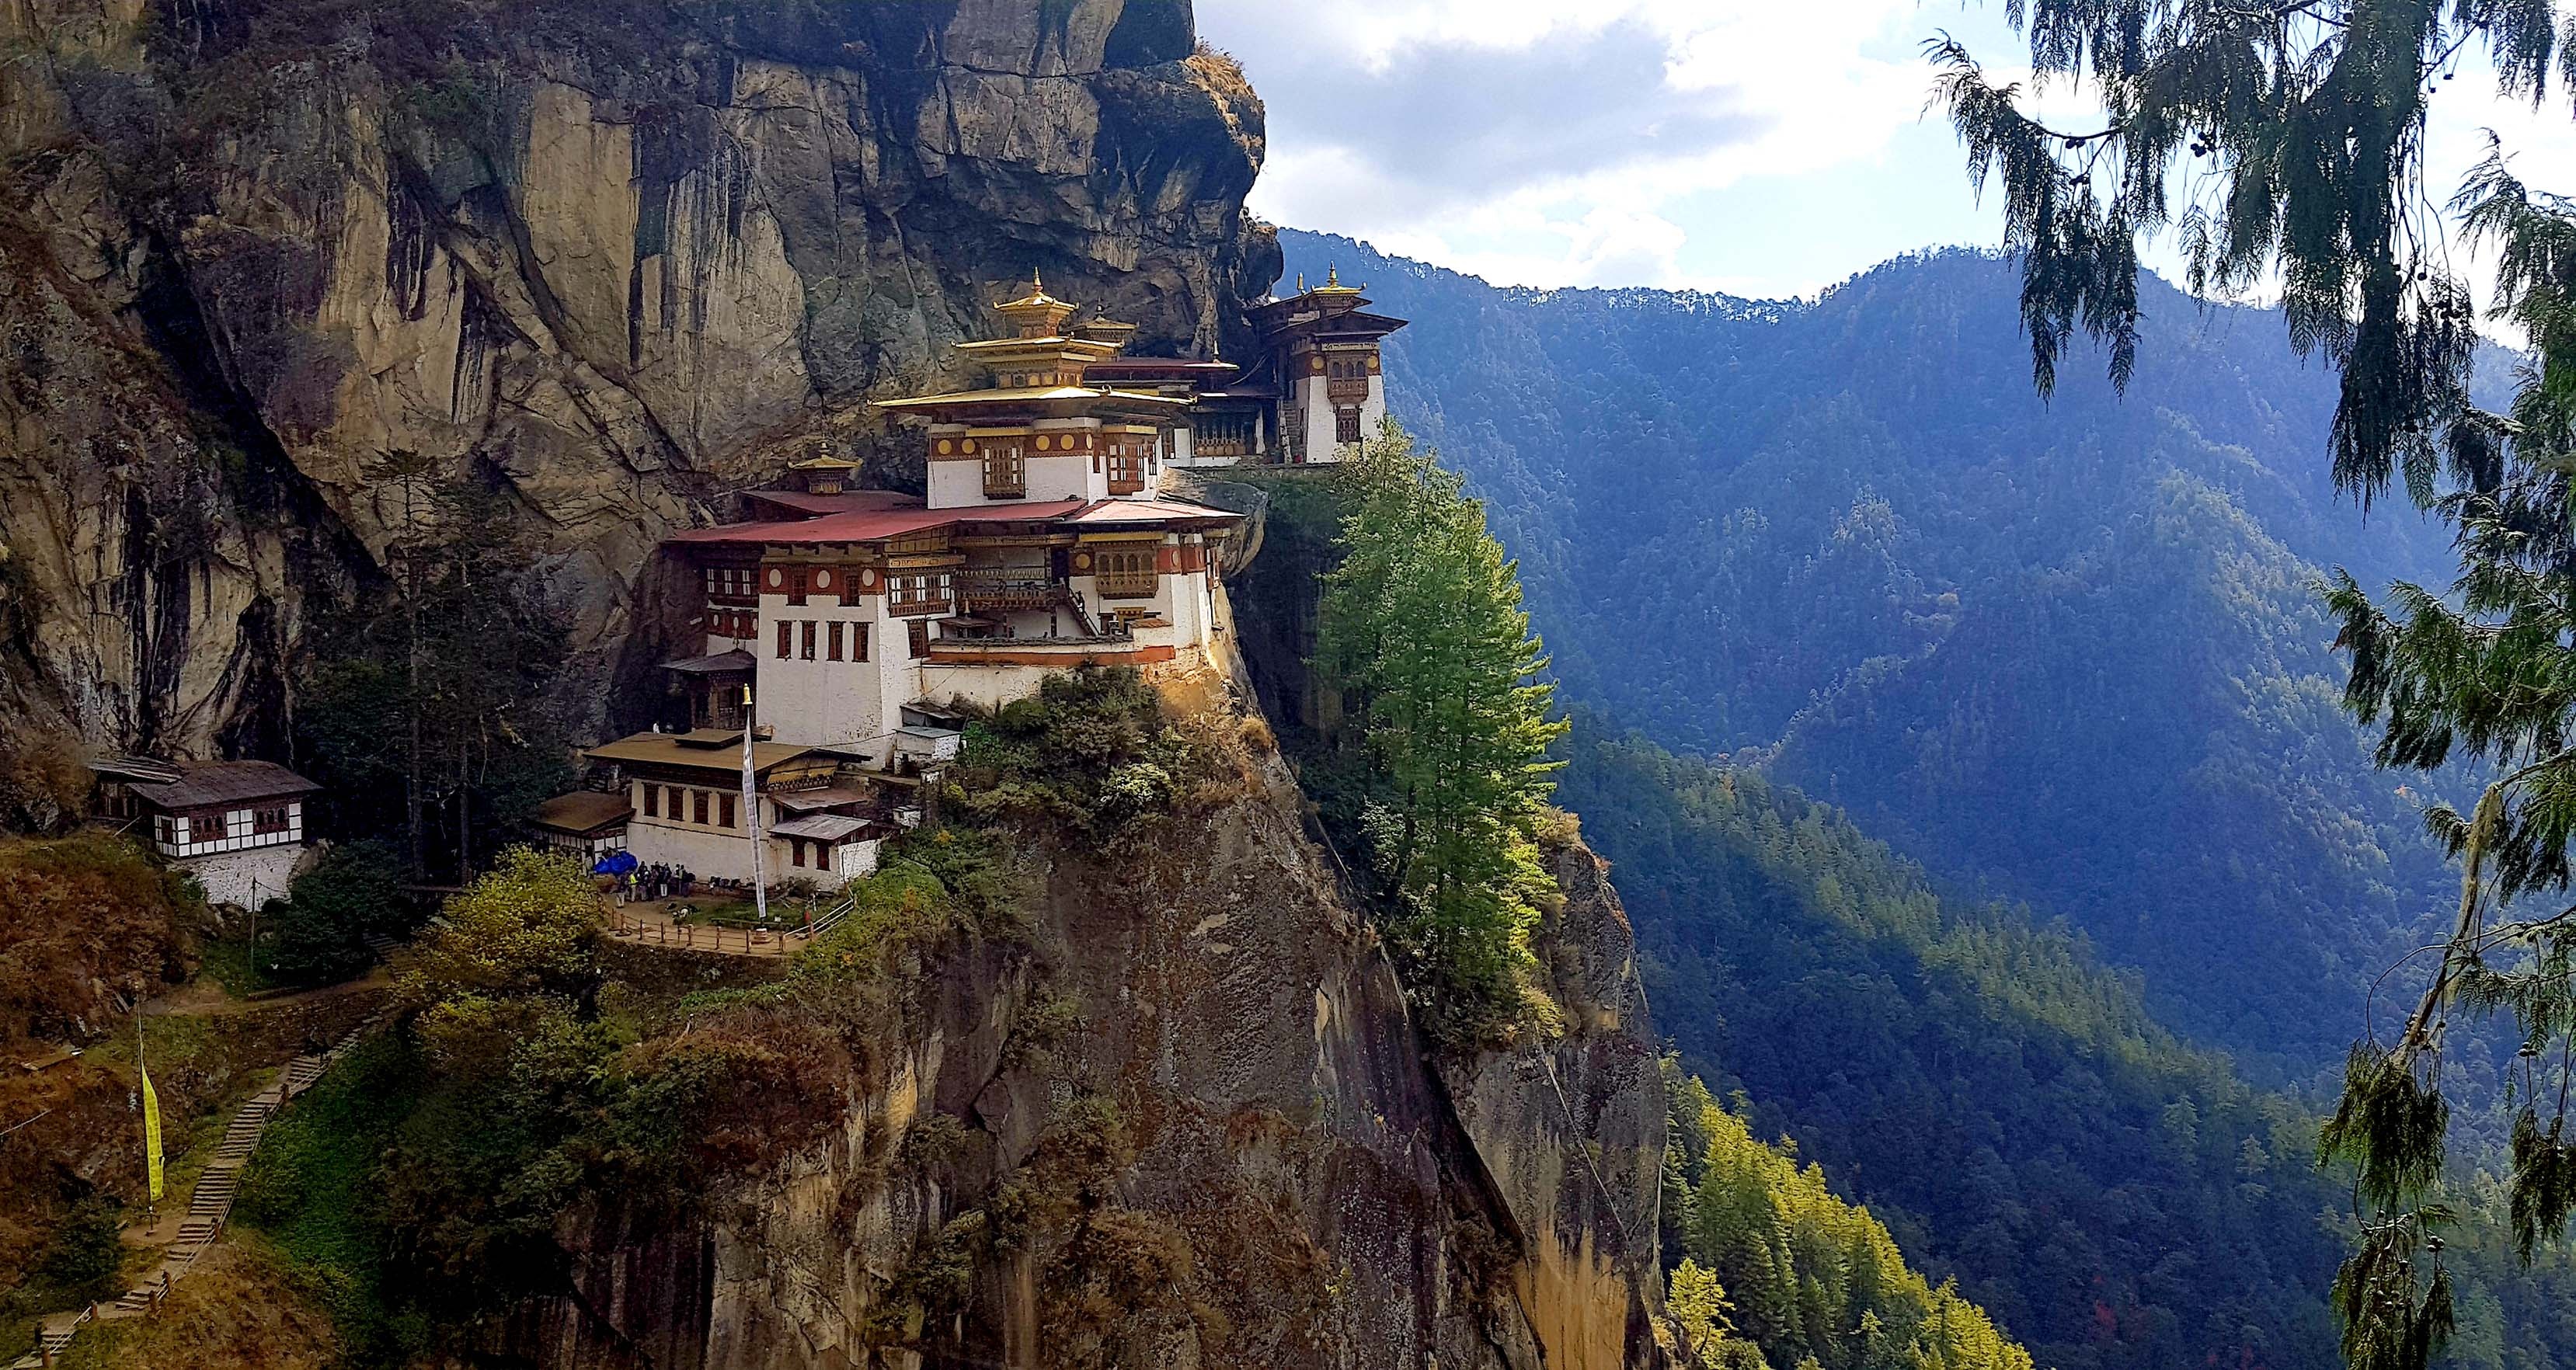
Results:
<point x="751" y="810"/>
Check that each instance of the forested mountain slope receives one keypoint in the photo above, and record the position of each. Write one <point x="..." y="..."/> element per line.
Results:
<point x="2004" y="1104"/>
<point x="2064" y="650"/>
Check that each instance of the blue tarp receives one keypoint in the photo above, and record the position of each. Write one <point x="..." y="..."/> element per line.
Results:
<point x="616" y="863"/>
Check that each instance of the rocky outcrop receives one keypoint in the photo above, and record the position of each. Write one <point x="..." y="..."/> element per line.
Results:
<point x="613" y="257"/>
<point x="1294" y="1182"/>
<point x="1571" y="1130"/>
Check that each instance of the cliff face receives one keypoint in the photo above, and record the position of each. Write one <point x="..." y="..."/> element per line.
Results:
<point x="611" y="256"/>
<point x="1295" y="1186"/>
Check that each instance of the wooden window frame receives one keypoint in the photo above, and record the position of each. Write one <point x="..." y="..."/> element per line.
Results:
<point x="652" y="801"/>
<point x="919" y="637"/>
<point x="725" y="815"/>
<point x="934" y="597"/>
<point x="1346" y="425"/>
<point x="796" y="579"/>
<point x="698" y="807"/>
<point x="858" y="642"/>
<point x="785" y="639"/>
<point x="1006" y="469"/>
<point x="1126" y="572"/>
<point x="1126" y="466"/>
<point x="833" y="648"/>
<point x="269" y="822"/>
<point x="805" y="642"/>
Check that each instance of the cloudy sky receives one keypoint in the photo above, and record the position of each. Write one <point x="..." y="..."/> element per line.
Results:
<point x="1756" y="148"/>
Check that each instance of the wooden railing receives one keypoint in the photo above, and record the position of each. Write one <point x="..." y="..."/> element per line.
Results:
<point x="1007" y="588"/>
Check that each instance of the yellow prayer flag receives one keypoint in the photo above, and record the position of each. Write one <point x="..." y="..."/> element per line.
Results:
<point x="151" y="1135"/>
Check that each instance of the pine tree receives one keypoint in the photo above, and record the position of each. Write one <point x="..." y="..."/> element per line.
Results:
<point x="1816" y="1281"/>
<point x="1422" y="629"/>
<point x="2280" y="141"/>
<point x="2488" y="673"/>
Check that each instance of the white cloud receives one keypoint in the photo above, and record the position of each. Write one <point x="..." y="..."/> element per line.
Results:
<point x="1536" y="140"/>
<point x="1718" y="143"/>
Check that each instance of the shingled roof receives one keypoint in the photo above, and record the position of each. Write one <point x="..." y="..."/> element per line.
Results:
<point x="205" y="784"/>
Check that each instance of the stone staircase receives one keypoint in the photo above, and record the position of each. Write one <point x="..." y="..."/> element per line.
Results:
<point x="209" y="1204"/>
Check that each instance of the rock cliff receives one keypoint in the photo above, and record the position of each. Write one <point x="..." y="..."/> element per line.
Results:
<point x="612" y="257"/>
<point x="1291" y="1184"/>
<point x="615" y="258"/>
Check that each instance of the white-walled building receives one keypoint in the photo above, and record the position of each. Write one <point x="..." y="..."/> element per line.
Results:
<point x="1315" y="390"/>
<point x="1043" y="543"/>
<point x="236" y="826"/>
<point x="684" y="793"/>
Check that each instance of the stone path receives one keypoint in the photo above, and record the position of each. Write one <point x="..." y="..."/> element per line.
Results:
<point x="209" y="1204"/>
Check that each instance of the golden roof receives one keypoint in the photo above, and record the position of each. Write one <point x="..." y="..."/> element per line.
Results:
<point x="687" y="749"/>
<point x="1037" y="313"/>
<point x="1333" y="283"/>
<point x="1034" y="393"/>
<point x="1091" y="349"/>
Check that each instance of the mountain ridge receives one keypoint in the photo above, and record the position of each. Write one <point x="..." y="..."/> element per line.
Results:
<point x="1774" y="535"/>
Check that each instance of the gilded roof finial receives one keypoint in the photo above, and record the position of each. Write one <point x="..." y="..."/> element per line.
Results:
<point x="1333" y="276"/>
<point x="1301" y="282"/>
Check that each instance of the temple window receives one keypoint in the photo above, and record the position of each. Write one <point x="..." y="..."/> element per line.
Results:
<point x="1125" y="573"/>
<point x="1126" y="466"/>
<point x="785" y="629"/>
<point x="807" y="645"/>
<point x="833" y="650"/>
<point x="652" y="800"/>
<point x="1222" y="435"/>
<point x="724" y="811"/>
<point x="919" y="593"/>
<point x="1005" y="470"/>
<point x="1346" y="425"/>
<point x="698" y="807"/>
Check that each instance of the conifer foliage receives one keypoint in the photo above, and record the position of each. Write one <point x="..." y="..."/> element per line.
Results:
<point x="2284" y="135"/>
<point x="1423" y="632"/>
<point x="1780" y="1271"/>
<point x="2487" y="673"/>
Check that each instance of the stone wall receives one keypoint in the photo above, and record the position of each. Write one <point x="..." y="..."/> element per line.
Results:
<point x="245" y="879"/>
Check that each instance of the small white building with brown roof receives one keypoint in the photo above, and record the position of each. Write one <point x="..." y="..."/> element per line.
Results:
<point x="237" y="826"/>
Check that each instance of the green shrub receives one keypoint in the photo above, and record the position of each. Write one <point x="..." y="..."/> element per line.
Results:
<point x="84" y="1254"/>
<point x="1092" y="752"/>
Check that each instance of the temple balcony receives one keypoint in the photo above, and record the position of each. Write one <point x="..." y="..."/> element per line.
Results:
<point x="1008" y="587"/>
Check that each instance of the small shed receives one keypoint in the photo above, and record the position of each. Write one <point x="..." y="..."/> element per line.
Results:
<point x="829" y="846"/>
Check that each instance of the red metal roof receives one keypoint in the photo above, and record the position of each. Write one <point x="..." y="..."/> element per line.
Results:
<point x="847" y="502"/>
<point x="1144" y="511"/>
<point x="863" y="525"/>
<point x="874" y="525"/>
